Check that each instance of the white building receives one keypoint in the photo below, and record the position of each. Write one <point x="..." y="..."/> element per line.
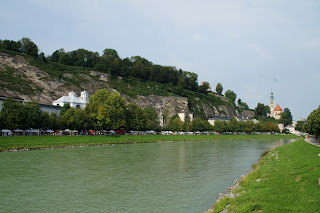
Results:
<point x="73" y="100"/>
<point x="182" y="116"/>
<point x="275" y="112"/>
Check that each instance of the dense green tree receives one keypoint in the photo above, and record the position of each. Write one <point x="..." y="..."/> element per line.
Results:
<point x="201" y="125"/>
<point x="65" y="58"/>
<point x="262" y="110"/>
<point x="220" y="126"/>
<point x="244" y="105"/>
<point x="55" y="56"/>
<point x="42" y="57"/>
<point x="125" y="67"/>
<point x="299" y="125"/>
<point x="152" y="118"/>
<point x="187" y="126"/>
<point x="135" y="118"/>
<point x="31" y="115"/>
<point x="107" y="110"/>
<point x="103" y="63"/>
<point x="28" y="47"/>
<point x="261" y="127"/>
<point x="175" y="123"/>
<point x="74" y="119"/>
<point x="231" y="95"/>
<point x="219" y="89"/>
<point x="286" y="117"/>
<point x="115" y="66"/>
<point x="204" y="87"/>
<point x="11" y="114"/>
<point x="191" y="81"/>
<point x="111" y="52"/>
<point x="272" y="127"/>
<point x="11" y="45"/>
<point x="52" y="121"/>
<point x="234" y="125"/>
<point x="247" y="126"/>
<point x="64" y="108"/>
<point x="312" y="125"/>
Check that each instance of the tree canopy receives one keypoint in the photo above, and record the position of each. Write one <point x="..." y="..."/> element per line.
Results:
<point x="219" y="89"/>
<point x="262" y="110"/>
<point x="286" y="117"/>
<point x="231" y="95"/>
<point x="312" y="125"/>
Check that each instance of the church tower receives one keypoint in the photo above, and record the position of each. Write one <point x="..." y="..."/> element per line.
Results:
<point x="271" y="105"/>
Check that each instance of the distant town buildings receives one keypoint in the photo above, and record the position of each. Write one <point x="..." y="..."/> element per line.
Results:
<point x="275" y="112"/>
<point x="73" y="100"/>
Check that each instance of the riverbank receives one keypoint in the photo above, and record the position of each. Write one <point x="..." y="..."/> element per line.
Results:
<point x="24" y="143"/>
<point x="286" y="179"/>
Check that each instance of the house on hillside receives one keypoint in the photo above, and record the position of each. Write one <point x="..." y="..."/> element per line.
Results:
<point x="73" y="100"/>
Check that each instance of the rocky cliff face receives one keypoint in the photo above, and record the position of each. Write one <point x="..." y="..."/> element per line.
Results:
<point x="46" y="89"/>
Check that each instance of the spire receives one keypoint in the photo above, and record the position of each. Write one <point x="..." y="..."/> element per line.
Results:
<point x="271" y="96"/>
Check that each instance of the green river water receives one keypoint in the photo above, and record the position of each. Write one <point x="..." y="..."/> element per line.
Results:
<point x="150" y="177"/>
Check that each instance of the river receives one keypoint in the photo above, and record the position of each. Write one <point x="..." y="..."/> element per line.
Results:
<point x="150" y="177"/>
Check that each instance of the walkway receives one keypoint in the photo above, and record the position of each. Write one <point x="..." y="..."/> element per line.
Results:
<point x="312" y="141"/>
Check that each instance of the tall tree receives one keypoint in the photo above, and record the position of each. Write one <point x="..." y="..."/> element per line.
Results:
<point x="231" y="95"/>
<point x="201" y="125"/>
<point x="220" y="126"/>
<point x="28" y="47"/>
<point x="262" y="110"/>
<point x="107" y="110"/>
<point x="11" y="114"/>
<point x="299" y="125"/>
<point x="135" y="117"/>
<point x="152" y="120"/>
<point x="111" y="52"/>
<point x="312" y="125"/>
<point x="286" y="117"/>
<point x="175" y="123"/>
<point x="219" y="89"/>
<point x="31" y="117"/>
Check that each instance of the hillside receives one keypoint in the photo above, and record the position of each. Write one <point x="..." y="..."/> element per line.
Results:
<point x="29" y="78"/>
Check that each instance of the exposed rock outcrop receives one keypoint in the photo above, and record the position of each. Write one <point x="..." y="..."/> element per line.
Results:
<point x="45" y="88"/>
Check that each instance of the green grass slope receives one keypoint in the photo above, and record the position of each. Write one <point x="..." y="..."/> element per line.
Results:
<point x="285" y="180"/>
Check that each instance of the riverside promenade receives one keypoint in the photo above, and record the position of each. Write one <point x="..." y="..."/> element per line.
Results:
<point x="312" y="141"/>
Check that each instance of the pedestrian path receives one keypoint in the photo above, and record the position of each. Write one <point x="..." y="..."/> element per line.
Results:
<point x="312" y="141"/>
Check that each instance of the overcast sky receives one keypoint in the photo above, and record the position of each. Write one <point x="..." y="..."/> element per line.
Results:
<point x="249" y="46"/>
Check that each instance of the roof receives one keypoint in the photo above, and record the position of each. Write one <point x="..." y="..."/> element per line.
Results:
<point x="278" y="108"/>
<point x="68" y="99"/>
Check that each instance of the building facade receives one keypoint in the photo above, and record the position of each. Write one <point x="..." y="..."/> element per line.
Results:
<point x="275" y="112"/>
<point x="73" y="100"/>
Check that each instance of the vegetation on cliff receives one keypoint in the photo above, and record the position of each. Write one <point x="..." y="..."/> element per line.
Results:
<point x="130" y="76"/>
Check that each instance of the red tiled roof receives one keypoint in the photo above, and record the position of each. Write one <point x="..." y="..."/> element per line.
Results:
<point x="278" y="108"/>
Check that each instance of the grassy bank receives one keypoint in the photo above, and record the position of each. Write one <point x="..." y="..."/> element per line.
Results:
<point x="36" y="142"/>
<point x="284" y="180"/>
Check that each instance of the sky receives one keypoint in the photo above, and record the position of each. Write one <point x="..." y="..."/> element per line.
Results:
<point x="249" y="46"/>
